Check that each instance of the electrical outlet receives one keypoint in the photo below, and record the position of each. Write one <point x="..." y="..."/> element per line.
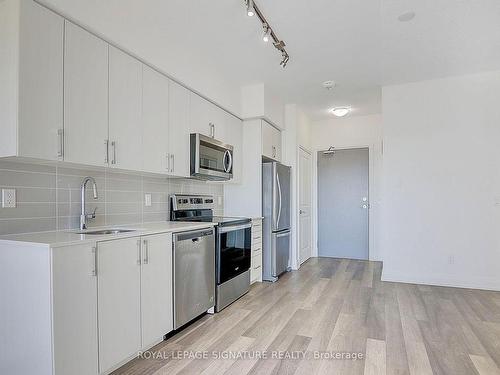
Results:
<point x="147" y="200"/>
<point x="8" y="198"/>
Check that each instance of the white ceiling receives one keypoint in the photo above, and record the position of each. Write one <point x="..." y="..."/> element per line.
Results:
<point x="213" y="47"/>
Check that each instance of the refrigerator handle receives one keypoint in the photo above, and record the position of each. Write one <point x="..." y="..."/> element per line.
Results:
<point x="279" y="192"/>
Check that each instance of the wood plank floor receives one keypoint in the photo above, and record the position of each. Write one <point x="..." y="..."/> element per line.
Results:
<point x="339" y="306"/>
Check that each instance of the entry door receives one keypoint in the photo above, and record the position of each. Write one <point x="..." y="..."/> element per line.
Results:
<point x="343" y="204"/>
<point x="304" y="206"/>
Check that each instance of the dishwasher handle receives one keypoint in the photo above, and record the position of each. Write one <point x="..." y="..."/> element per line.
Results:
<point x="194" y="236"/>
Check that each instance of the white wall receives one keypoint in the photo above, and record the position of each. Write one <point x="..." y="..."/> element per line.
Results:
<point x="352" y="132"/>
<point x="245" y="198"/>
<point x="441" y="182"/>
<point x="258" y="101"/>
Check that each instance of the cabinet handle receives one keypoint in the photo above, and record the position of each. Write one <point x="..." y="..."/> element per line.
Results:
<point x="212" y="130"/>
<point x="106" y="151"/>
<point x="94" y="252"/>
<point x="172" y="158"/>
<point x="146" y="252"/>
<point x="60" y="146"/>
<point x="168" y="162"/>
<point x="274" y="151"/>
<point x="139" y="252"/>
<point x="113" y="144"/>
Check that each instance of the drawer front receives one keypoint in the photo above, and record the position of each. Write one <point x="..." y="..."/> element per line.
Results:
<point x="257" y="250"/>
<point x="256" y="274"/>
<point x="256" y="261"/>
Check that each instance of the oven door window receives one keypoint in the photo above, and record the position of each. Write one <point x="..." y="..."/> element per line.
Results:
<point x="234" y="253"/>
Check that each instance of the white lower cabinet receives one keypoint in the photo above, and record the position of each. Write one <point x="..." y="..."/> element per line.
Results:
<point x="74" y="293"/>
<point x="156" y="288"/>
<point x="134" y="296"/>
<point x="119" y="301"/>
<point x="256" y="261"/>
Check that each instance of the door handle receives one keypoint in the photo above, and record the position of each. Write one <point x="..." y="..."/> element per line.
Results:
<point x="139" y="252"/>
<point x="279" y="191"/>
<point x="146" y="252"/>
<point x="113" y="144"/>
<point x="94" y="253"/>
<point x="60" y="136"/>
<point x="106" y="151"/>
<point x="212" y="130"/>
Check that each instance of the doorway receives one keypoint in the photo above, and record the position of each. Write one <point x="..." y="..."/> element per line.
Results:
<point x="343" y="203"/>
<point x="305" y="205"/>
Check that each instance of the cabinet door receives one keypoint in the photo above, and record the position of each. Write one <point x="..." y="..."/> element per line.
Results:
<point x="119" y="301"/>
<point x="125" y="107"/>
<point x="74" y="288"/>
<point x="277" y="144"/>
<point x="206" y="118"/>
<point x="234" y="136"/>
<point x="155" y="117"/>
<point x="271" y="141"/>
<point x="156" y="288"/>
<point x="85" y="97"/>
<point x="40" y="83"/>
<point x="179" y="130"/>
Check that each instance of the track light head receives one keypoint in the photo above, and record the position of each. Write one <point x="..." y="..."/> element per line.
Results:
<point x="266" y="35"/>
<point x="250" y="8"/>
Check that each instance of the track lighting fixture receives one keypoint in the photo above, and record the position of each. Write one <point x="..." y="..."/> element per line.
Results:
<point x="250" y="10"/>
<point x="268" y="33"/>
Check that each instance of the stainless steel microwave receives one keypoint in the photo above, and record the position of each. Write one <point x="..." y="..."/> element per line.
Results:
<point x="210" y="158"/>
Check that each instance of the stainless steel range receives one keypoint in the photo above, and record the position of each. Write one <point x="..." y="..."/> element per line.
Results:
<point x="232" y="245"/>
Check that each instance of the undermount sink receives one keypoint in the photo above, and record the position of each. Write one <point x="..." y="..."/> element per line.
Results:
<point x="107" y="231"/>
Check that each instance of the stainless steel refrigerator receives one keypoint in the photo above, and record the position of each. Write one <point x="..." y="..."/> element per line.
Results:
<point x="276" y="236"/>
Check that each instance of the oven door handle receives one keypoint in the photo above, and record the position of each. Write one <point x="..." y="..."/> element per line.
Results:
<point x="234" y="228"/>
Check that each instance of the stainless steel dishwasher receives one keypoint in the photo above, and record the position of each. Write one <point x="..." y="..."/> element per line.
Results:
<point x="194" y="274"/>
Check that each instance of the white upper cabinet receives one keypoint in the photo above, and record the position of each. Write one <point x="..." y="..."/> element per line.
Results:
<point x="40" y="83"/>
<point x="179" y="130"/>
<point x="125" y="110"/>
<point x="234" y="137"/>
<point x="271" y="141"/>
<point x="85" y="97"/>
<point x="206" y="118"/>
<point x="155" y="121"/>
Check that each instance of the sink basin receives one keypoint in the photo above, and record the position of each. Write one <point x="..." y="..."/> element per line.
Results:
<point x="107" y="231"/>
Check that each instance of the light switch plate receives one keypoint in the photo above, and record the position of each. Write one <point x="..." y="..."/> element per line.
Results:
<point x="147" y="200"/>
<point x="8" y="198"/>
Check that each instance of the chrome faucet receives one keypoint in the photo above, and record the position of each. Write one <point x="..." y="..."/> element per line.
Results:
<point x="84" y="217"/>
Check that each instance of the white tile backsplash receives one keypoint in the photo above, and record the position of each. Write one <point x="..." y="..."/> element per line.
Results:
<point x="49" y="196"/>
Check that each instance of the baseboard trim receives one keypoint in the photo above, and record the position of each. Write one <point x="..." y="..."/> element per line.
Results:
<point x="484" y="283"/>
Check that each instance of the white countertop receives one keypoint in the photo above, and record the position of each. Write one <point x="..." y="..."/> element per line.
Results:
<point x="71" y="237"/>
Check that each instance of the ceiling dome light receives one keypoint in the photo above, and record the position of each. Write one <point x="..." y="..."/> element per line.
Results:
<point x="329" y="85"/>
<point x="405" y="17"/>
<point x="250" y="10"/>
<point x="340" y="111"/>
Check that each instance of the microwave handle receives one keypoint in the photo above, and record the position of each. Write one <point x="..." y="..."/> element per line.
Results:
<point x="229" y="157"/>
